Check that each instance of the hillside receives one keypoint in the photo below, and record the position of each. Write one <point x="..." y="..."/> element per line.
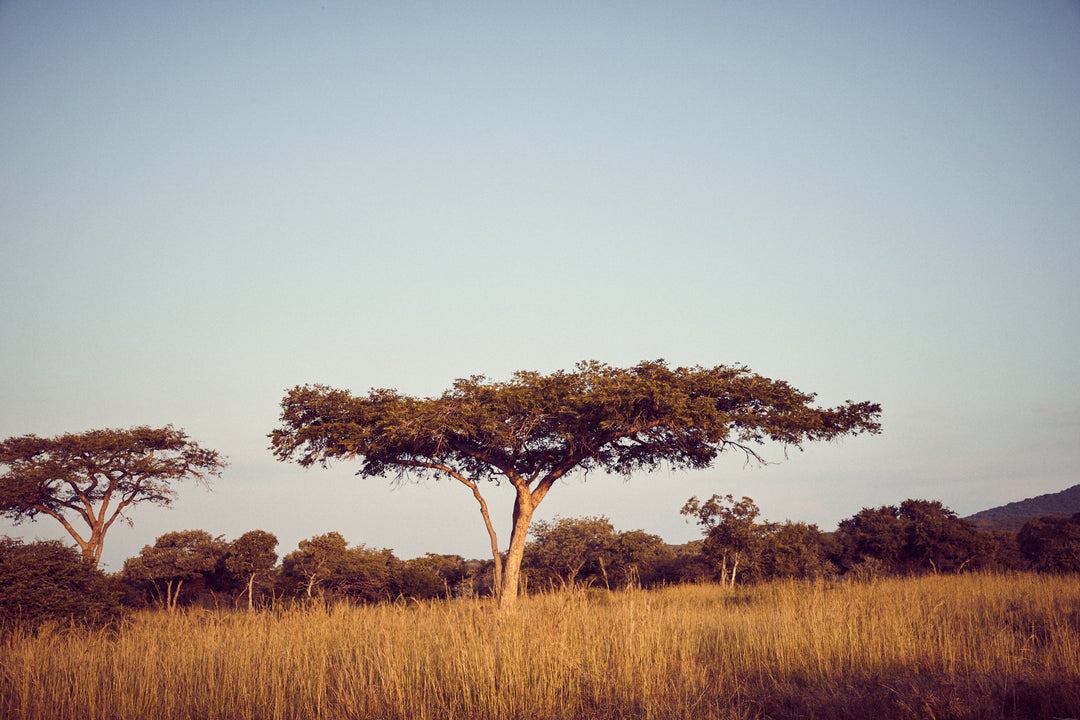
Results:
<point x="1013" y="515"/>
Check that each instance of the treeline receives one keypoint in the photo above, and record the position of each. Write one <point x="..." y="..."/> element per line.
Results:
<point x="48" y="579"/>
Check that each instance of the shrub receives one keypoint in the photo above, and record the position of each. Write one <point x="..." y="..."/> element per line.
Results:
<point x="47" y="580"/>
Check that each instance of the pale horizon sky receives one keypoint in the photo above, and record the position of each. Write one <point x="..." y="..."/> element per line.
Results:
<point x="203" y="205"/>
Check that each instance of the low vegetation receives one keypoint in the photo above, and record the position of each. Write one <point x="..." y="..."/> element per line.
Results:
<point x="970" y="645"/>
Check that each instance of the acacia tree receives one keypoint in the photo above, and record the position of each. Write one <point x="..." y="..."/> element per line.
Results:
<point x="173" y="559"/>
<point x="249" y="556"/>
<point x="535" y="429"/>
<point x="794" y="550"/>
<point x="96" y="476"/>
<point x="636" y="550"/>
<point x="567" y="546"/>
<point x="317" y="561"/>
<point x="731" y="531"/>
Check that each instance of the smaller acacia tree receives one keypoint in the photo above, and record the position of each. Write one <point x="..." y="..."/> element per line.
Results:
<point x="636" y="556"/>
<point x="250" y="556"/>
<point x="173" y="559"/>
<point x="732" y="534"/>
<point x="795" y="550"/>
<point x="97" y="476"/>
<point x="568" y="546"/>
<point x="316" y="561"/>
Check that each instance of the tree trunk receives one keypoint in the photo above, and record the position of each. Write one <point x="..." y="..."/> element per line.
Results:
<point x="571" y="577"/>
<point x="523" y="511"/>
<point x="88" y="555"/>
<point x="170" y="595"/>
<point x="250" y="587"/>
<point x="491" y="535"/>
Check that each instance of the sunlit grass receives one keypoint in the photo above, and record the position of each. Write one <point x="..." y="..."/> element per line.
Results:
<point x="969" y="646"/>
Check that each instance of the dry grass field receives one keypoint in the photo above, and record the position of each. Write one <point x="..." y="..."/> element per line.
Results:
<point x="973" y="646"/>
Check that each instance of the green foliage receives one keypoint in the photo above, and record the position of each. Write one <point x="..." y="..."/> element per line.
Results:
<point x="251" y="557"/>
<point x="1003" y="552"/>
<point x="1052" y="543"/>
<point x="95" y="476"/>
<point x="794" y="551"/>
<point x="737" y="546"/>
<point x="175" y="558"/>
<point x="876" y="534"/>
<point x="733" y="538"/>
<point x="598" y="417"/>
<point x="316" y="561"/>
<point x="937" y="539"/>
<point x="368" y="574"/>
<point x="569" y="547"/>
<point x="639" y="558"/>
<point x="326" y="565"/>
<point x="438" y="576"/>
<point x="916" y="536"/>
<point x="586" y="551"/>
<point x="48" y="580"/>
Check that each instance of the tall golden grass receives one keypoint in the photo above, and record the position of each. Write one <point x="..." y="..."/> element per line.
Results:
<point x="973" y="646"/>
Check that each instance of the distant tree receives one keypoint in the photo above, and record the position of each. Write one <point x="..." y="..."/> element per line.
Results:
<point x="316" y="561"/>
<point x="47" y="580"/>
<point x="175" y="558"/>
<point x="97" y="476"/>
<point x="794" y="550"/>
<point x="1052" y="543"/>
<point x="366" y="574"/>
<point x="872" y="538"/>
<point x="733" y="537"/>
<point x="250" y="557"/>
<point x="937" y="539"/>
<point x="916" y="536"/>
<point x="1004" y="552"/>
<point x="433" y="576"/>
<point x="689" y="565"/>
<point x="567" y="546"/>
<point x="638" y="558"/>
<point x="326" y="565"/>
<point x="535" y="429"/>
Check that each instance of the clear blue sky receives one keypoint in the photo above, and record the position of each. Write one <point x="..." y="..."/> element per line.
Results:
<point x="204" y="204"/>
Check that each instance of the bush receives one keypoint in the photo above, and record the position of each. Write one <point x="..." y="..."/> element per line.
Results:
<point x="47" y="580"/>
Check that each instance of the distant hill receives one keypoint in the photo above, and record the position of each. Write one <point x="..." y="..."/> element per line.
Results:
<point x="1013" y="516"/>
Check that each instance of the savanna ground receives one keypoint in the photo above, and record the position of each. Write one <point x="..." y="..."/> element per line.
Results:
<point x="970" y="646"/>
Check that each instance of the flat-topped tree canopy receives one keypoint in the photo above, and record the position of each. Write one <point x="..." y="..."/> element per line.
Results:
<point x="534" y="428"/>
<point x="97" y="476"/>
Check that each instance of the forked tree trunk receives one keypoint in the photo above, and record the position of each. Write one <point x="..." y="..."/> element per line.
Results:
<point x="170" y="596"/>
<point x="523" y="512"/>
